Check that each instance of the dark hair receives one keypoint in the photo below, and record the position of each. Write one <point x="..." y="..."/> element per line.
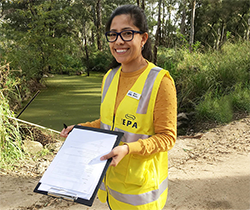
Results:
<point x="140" y="21"/>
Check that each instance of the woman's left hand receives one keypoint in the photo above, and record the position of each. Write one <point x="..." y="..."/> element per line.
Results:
<point x="117" y="154"/>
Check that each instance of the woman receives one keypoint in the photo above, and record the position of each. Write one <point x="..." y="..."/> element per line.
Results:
<point x="138" y="99"/>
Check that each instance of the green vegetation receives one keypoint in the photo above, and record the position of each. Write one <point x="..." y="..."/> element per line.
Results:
<point x="10" y="137"/>
<point x="215" y="84"/>
<point x="62" y="38"/>
<point x="67" y="37"/>
<point x="66" y="99"/>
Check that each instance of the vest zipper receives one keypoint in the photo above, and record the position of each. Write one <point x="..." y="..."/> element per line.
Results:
<point x="112" y="128"/>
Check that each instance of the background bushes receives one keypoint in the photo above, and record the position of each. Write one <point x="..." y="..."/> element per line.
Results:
<point x="215" y="84"/>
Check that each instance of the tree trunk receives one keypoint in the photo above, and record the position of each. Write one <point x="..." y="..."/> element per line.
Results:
<point x="164" y="30"/>
<point x="222" y="34"/>
<point x="157" y="33"/>
<point x="138" y="2"/>
<point x="191" y="40"/>
<point x="143" y="4"/>
<point x="86" y="48"/>
<point x="248" y="30"/>
<point x="98" y="24"/>
<point x="183" y="18"/>
<point x="168" y="25"/>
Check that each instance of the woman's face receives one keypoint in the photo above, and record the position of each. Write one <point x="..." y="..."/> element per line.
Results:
<point x="126" y="52"/>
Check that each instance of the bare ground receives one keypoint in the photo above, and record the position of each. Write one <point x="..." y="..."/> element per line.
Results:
<point x="209" y="170"/>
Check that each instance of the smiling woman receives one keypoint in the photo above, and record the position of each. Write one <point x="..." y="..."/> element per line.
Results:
<point x="126" y="45"/>
<point x="138" y="99"/>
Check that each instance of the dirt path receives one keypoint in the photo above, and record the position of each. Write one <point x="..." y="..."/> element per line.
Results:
<point x="208" y="171"/>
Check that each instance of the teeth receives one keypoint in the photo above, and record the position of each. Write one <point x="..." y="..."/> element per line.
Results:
<point x="121" y="51"/>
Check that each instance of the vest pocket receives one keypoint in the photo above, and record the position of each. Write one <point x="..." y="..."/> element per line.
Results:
<point x="140" y="171"/>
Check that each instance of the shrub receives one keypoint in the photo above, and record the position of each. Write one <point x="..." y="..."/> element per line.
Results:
<point x="216" y="73"/>
<point x="10" y="137"/>
<point x="215" y="109"/>
<point x="241" y="98"/>
<point x="100" y="61"/>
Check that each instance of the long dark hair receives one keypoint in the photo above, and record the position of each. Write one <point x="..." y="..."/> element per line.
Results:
<point x="139" y="20"/>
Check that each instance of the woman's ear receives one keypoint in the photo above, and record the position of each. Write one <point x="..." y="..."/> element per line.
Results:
<point x="144" y="39"/>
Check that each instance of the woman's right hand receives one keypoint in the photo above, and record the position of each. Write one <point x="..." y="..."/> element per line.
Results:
<point x="65" y="132"/>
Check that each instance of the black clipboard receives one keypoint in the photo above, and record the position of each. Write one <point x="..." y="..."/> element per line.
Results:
<point x="73" y="197"/>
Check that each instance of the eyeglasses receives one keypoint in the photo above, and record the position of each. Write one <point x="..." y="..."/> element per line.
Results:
<point x="126" y="35"/>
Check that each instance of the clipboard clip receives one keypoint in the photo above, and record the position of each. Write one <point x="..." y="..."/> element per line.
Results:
<point x="62" y="193"/>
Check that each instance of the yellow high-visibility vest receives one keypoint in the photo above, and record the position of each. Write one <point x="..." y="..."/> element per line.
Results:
<point x="137" y="182"/>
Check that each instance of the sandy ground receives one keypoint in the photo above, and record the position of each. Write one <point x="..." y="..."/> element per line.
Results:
<point x="207" y="171"/>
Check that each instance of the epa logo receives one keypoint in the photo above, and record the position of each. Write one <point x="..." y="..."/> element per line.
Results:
<point x="129" y="121"/>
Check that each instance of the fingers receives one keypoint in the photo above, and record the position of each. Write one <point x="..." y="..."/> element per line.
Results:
<point x="110" y="155"/>
<point x="65" y="132"/>
<point x="117" y="154"/>
<point x="106" y="157"/>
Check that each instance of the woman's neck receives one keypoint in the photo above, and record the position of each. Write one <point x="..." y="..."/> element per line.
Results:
<point x="134" y="66"/>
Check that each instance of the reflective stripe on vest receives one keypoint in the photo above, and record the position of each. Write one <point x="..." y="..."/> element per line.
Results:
<point x="102" y="186"/>
<point x="147" y="89"/>
<point x="108" y="82"/>
<point x="146" y="92"/>
<point x="140" y="199"/>
<point x="127" y="137"/>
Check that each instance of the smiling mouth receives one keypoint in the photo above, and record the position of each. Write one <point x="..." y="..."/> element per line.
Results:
<point x="121" y="50"/>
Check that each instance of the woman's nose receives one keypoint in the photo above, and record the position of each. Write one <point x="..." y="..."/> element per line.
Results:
<point x="119" y="39"/>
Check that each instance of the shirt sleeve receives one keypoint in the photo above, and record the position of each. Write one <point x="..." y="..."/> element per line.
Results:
<point x="165" y="122"/>
<point x="93" y="124"/>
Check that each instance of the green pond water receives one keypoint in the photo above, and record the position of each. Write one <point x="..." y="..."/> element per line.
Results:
<point x="66" y="99"/>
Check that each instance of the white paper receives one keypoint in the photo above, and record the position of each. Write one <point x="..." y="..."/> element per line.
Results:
<point x="77" y="167"/>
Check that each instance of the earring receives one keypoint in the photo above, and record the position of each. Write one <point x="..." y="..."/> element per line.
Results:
<point x="142" y="48"/>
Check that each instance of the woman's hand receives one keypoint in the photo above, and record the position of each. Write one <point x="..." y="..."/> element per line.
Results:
<point x="65" y="132"/>
<point x="117" y="154"/>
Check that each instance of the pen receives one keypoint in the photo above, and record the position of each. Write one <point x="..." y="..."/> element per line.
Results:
<point x="65" y="126"/>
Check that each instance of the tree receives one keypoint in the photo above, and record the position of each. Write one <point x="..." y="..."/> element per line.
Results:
<point x="39" y="31"/>
<point x="99" y="24"/>
<point x="182" y="7"/>
<point x="191" y="38"/>
<point x="157" y="34"/>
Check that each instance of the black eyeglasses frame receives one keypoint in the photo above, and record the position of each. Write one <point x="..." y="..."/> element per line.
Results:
<point x="119" y="34"/>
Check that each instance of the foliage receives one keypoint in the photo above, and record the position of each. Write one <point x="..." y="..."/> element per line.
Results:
<point x="100" y="61"/>
<point x="63" y="36"/>
<point x="209" y="80"/>
<point x="240" y="98"/>
<point x="215" y="108"/>
<point x="222" y="108"/>
<point x="36" y="35"/>
<point x="10" y="137"/>
<point x="168" y="59"/>
<point x="13" y="86"/>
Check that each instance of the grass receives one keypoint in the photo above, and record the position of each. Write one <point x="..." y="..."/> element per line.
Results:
<point x="214" y="84"/>
<point x="10" y="137"/>
<point x="66" y="99"/>
<point x="222" y="108"/>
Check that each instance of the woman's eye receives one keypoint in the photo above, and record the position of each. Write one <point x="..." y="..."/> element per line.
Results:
<point x="128" y="33"/>
<point x="112" y="34"/>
